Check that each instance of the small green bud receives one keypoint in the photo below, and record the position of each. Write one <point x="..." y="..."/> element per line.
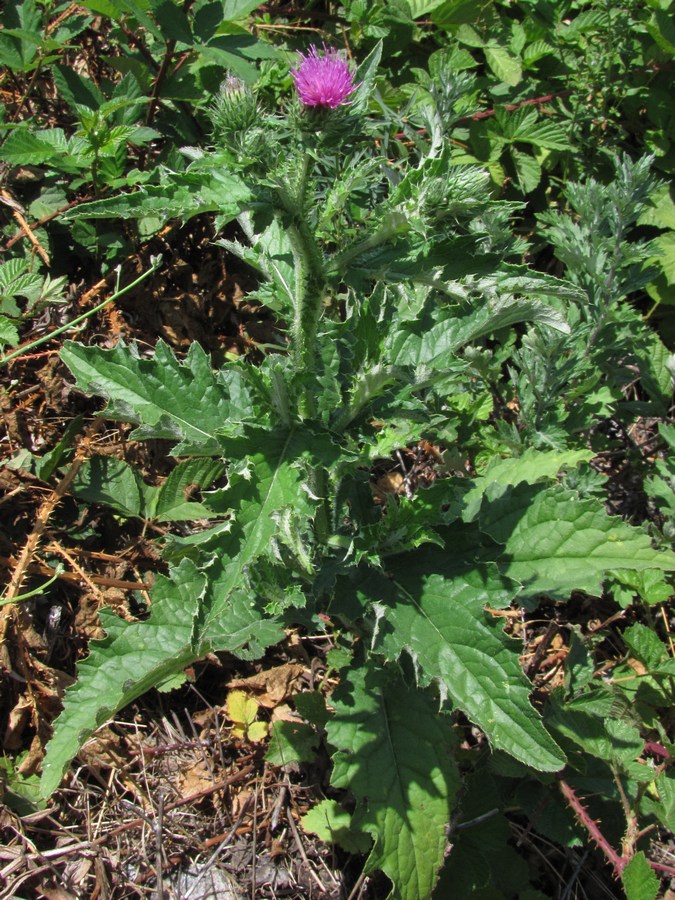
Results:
<point x="235" y="109"/>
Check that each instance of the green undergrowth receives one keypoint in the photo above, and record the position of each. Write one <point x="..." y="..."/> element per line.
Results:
<point x="386" y="238"/>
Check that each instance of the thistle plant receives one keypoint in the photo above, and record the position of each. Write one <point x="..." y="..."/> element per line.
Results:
<point x="393" y="275"/>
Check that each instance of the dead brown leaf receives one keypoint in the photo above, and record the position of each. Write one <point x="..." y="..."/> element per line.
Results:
<point x="271" y="686"/>
<point x="196" y="779"/>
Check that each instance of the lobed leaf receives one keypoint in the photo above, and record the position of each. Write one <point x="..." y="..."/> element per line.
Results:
<point x="135" y="657"/>
<point x="184" y="402"/>
<point x="431" y="605"/>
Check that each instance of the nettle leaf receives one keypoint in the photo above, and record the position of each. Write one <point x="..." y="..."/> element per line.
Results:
<point x="184" y="402"/>
<point x="23" y="147"/>
<point x="431" y="605"/>
<point x="394" y="755"/>
<point x="555" y="543"/>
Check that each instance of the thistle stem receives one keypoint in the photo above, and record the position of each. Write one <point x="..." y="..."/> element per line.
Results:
<point x="310" y="281"/>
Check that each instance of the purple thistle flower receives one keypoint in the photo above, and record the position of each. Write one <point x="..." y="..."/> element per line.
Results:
<point x="323" y="80"/>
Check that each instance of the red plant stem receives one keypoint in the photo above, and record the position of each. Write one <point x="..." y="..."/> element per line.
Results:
<point x="510" y="107"/>
<point x="660" y="867"/>
<point x="618" y="862"/>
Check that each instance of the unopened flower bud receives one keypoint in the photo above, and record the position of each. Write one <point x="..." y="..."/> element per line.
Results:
<point x="235" y="109"/>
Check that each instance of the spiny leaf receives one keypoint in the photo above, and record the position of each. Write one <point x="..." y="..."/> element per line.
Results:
<point x="184" y="401"/>
<point x="137" y="656"/>
<point x="131" y="658"/>
<point x="180" y="196"/>
<point x="531" y="466"/>
<point x="436" y="346"/>
<point x="431" y="604"/>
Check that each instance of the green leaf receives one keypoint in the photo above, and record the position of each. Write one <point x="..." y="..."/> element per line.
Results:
<point x="528" y="170"/>
<point x="393" y="754"/>
<point x="23" y="148"/>
<point x="639" y="880"/>
<point x="270" y="484"/>
<point x="664" y="245"/>
<point x="593" y="722"/>
<point x="180" y="196"/>
<point x="172" y="504"/>
<point x="238" y="9"/>
<point x="242" y="710"/>
<point x="173" y="21"/>
<point x="8" y="332"/>
<point x="292" y="742"/>
<point x="419" y="8"/>
<point x="75" y="89"/>
<point x="437" y="346"/>
<point x="431" y="605"/>
<point x="132" y="658"/>
<point x="114" y="482"/>
<point x="523" y="126"/>
<point x="456" y="12"/>
<point x="333" y="825"/>
<point x="505" y="67"/>
<point x="660" y="799"/>
<point x="137" y="656"/>
<point x="531" y="466"/>
<point x="184" y="402"/>
<point x="555" y="543"/>
<point x="483" y="861"/>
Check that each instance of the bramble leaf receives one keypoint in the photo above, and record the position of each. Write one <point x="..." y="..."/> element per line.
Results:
<point x="394" y="755"/>
<point x="555" y="543"/>
<point x="639" y="880"/>
<point x="242" y="710"/>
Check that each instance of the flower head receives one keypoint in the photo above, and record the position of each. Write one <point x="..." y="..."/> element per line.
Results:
<point x="323" y="79"/>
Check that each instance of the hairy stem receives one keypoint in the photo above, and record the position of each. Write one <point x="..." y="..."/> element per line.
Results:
<point x="310" y="280"/>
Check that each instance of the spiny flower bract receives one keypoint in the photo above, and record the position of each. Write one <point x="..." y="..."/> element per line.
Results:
<point x="323" y="79"/>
